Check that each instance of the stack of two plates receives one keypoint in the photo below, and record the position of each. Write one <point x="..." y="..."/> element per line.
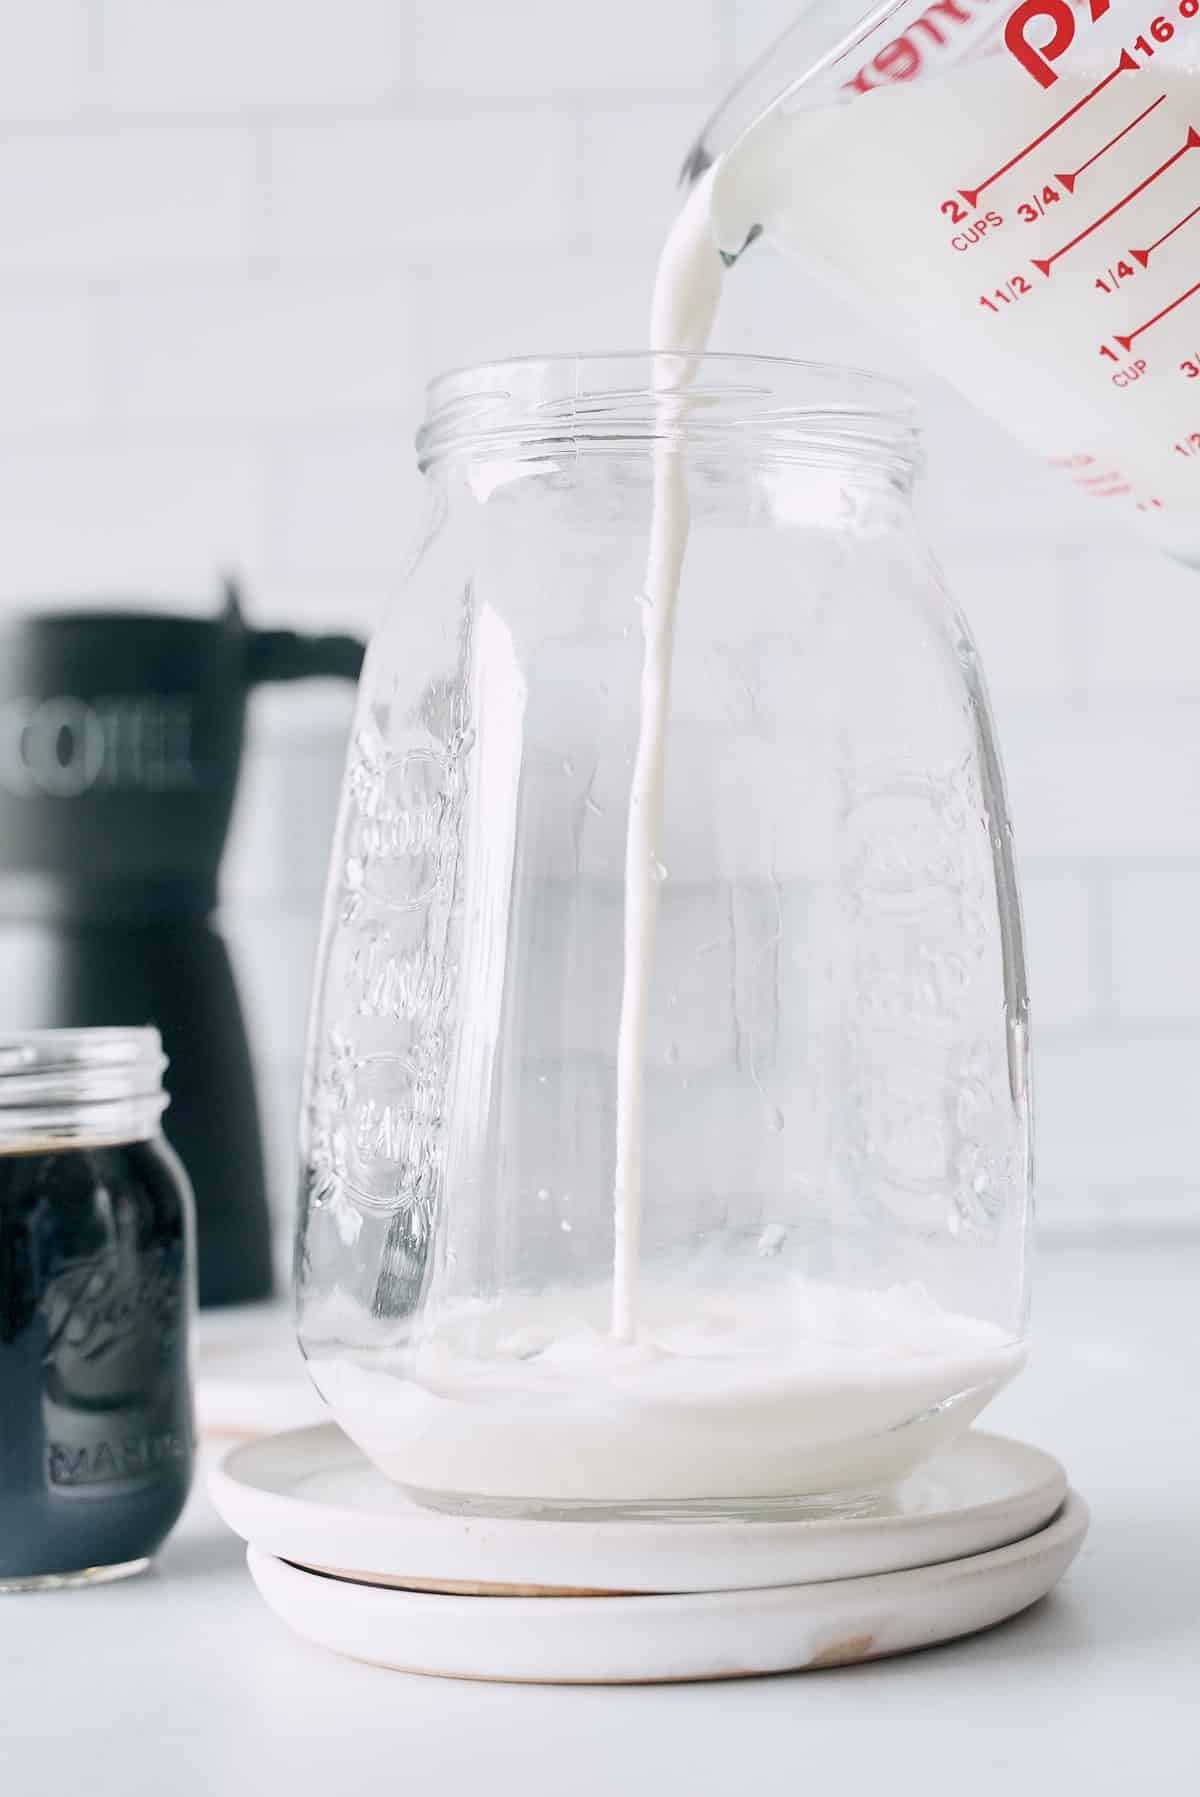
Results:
<point x="346" y="1560"/>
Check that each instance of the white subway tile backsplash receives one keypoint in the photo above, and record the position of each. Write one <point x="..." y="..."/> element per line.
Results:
<point x="43" y="54"/>
<point x="769" y="307"/>
<point x="264" y="351"/>
<point x="49" y="369"/>
<point x="631" y="156"/>
<point x="539" y="46"/>
<point x="1014" y="605"/>
<point x="978" y="483"/>
<point x="245" y="55"/>
<point x="346" y="503"/>
<point x="405" y="186"/>
<point x="1106" y="785"/>
<point x="755" y="24"/>
<point x="1061" y="949"/>
<point x="1142" y="619"/>
<point x="1114" y="1213"/>
<point x="112" y="520"/>
<point x="1156" y="945"/>
<point x="1120" y="1109"/>
<point x="538" y="307"/>
<point x="106" y="202"/>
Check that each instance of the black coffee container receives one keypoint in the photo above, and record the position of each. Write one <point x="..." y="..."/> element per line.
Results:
<point x="96" y="1290"/>
<point x="121" y="738"/>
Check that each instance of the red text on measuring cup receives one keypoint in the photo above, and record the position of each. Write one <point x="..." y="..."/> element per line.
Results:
<point x="1037" y="58"/>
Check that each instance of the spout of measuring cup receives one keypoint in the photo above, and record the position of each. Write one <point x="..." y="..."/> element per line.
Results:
<point x="746" y="188"/>
<point x="728" y="242"/>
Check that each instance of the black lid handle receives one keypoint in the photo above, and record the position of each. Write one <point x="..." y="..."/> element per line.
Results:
<point x="289" y="655"/>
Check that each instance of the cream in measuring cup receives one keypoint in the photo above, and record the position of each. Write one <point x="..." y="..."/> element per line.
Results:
<point x="1018" y="193"/>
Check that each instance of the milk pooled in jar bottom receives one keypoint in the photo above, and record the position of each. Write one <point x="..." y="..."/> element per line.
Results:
<point x="811" y="1390"/>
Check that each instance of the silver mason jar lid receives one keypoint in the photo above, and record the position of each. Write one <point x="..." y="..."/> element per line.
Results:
<point x="80" y="1085"/>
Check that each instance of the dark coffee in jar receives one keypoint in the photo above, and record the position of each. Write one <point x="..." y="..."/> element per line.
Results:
<point x="95" y="1292"/>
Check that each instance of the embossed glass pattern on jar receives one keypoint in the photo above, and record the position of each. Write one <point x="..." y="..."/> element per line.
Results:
<point x="96" y="1277"/>
<point x="836" y="1167"/>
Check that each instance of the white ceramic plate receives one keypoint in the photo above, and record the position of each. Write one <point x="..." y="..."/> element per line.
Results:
<point x="702" y="1635"/>
<point x="311" y="1497"/>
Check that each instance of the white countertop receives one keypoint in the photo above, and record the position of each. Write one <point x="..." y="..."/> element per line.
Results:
<point x="182" y="1682"/>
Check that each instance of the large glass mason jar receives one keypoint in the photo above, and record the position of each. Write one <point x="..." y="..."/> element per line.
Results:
<point x="825" y="1278"/>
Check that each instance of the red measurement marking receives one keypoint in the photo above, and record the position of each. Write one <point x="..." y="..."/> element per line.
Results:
<point x="1127" y="64"/>
<point x="1046" y="263"/>
<point x="1143" y="256"/>
<point x="1109" y="485"/>
<point x="1068" y="181"/>
<point x="1092" y="482"/>
<point x="1128" y="342"/>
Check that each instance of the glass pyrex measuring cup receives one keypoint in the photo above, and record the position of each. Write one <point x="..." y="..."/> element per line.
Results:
<point x="1017" y="190"/>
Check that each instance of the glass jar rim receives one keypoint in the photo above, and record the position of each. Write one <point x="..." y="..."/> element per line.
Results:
<point x="99" y="1084"/>
<point x="769" y="405"/>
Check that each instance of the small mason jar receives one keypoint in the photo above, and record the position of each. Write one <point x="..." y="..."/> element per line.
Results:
<point x="829" y="1272"/>
<point x="96" y="1276"/>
